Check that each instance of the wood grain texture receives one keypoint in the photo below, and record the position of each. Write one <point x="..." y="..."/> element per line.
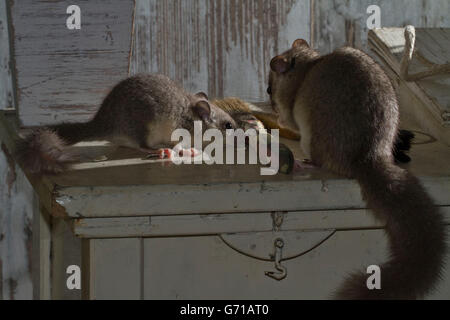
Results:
<point x="217" y="223"/>
<point x="222" y="47"/>
<point x="212" y="270"/>
<point x="189" y="225"/>
<point x="17" y="208"/>
<point x="63" y="74"/>
<point x="6" y="89"/>
<point x="65" y="251"/>
<point x="344" y="22"/>
<point x="425" y="102"/>
<point x="154" y="189"/>
<point x="115" y="269"/>
<point x="42" y="247"/>
<point x="225" y="198"/>
<point x="432" y="48"/>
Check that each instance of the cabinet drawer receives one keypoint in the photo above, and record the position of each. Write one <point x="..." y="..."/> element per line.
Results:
<point x="205" y="267"/>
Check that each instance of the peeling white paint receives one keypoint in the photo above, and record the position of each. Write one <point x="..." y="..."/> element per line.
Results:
<point x="16" y="214"/>
<point x="6" y="94"/>
<point x="63" y="200"/>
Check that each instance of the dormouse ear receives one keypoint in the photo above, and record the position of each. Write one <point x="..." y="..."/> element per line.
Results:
<point x="202" y="109"/>
<point x="299" y="43"/>
<point x="280" y="64"/>
<point x="201" y="94"/>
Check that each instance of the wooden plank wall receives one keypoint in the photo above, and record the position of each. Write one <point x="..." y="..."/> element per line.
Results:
<point x="223" y="47"/>
<point x="62" y="74"/>
<point x="218" y="46"/>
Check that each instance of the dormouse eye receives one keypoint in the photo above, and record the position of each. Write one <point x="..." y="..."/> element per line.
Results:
<point x="269" y="90"/>
<point x="228" y="125"/>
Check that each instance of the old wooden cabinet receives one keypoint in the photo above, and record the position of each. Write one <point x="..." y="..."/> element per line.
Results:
<point x="146" y="229"/>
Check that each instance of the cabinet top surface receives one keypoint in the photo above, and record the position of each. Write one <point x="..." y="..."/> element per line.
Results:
<point x="125" y="184"/>
<point x="128" y="167"/>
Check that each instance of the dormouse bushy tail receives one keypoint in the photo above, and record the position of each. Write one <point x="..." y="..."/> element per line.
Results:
<point x="416" y="232"/>
<point x="45" y="150"/>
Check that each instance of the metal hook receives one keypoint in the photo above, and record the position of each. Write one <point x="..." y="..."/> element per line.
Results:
<point x="279" y="244"/>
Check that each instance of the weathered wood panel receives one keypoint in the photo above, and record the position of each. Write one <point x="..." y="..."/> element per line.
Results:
<point x="426" y="100"/>
<point x="226" y="198"/>
<point x="42" y="247"/>
<point x="88" y="190"/>
<point x="64" y="74"/>
<point x="65" y="252"/>
<point x="188" y="225"/>
<point x="212" y="270"/>
<point x="17" y="207"/>
<point x="432" y="47"/>
<point x="222" y="47"/>
<point x="206" y="268"/>
<point x="344" y="22"/>
<point x="115" y="269"/>
<point x="6" y="93"/>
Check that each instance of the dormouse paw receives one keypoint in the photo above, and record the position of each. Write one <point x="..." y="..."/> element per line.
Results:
<point x="166" y="153"/>
<point x="189" y="152"/>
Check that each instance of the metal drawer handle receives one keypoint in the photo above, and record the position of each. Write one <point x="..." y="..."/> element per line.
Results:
<point x="282" y="271"/>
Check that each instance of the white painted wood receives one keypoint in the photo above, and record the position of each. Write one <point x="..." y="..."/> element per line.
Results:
<point x="188" y="225"/>
<point x="241" y="37"/>
<point x="432" y="46"/>
<point x="222" y="47"/>
<point x="251" y="197"/>
<point x="41" y="265"/>
<point x="17" y="208"/>
<point x="62" y="74"/>
<point x="114" y="269"/>
<point x="344" y="22"/>
<point x="65" y="252"/>
<point x="413" y="109"/>
<point x="426" y="101"/>
<point x="206" y="268"/>
<point x="156" y="189"/>
<point x="262" y="245"/>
